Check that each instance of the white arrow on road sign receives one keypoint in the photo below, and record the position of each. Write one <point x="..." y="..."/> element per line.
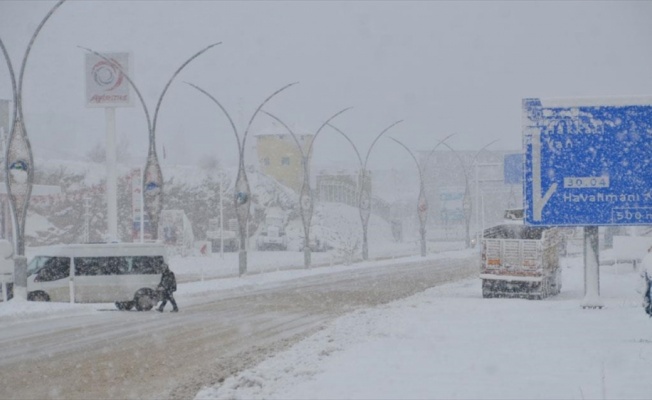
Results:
<point x="538" y="202"/>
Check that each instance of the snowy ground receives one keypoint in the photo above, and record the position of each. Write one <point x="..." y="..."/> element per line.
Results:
<point x="217" y="272"/>
<point x="449" y="343"/>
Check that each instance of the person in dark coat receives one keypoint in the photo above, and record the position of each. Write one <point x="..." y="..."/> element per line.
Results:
<point x="646" y="274"/>
<point x="647" y="297"/>
<point x="167" y="287"/>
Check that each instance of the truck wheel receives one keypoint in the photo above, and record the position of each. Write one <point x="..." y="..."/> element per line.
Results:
<point x="38" y="296"/>
<point x="145" y="299"/>
<point x="545" y="288"/>
<point x="486" y="291"/>
<point x="487" y="295"/>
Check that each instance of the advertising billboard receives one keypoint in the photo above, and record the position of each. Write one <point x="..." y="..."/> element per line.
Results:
<point x="451" y="200"/>
<point x="106" y="85"/>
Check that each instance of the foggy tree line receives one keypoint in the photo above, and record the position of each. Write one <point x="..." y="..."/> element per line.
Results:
<point x="81" y="204"/>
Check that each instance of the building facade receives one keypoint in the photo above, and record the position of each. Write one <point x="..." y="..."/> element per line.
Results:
<point x="280" y="157"/>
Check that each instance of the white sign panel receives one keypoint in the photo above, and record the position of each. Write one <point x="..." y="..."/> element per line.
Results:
<point x="106" y="85"/>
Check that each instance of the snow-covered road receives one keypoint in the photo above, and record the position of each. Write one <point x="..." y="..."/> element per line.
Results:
<point x="92" y="351"/>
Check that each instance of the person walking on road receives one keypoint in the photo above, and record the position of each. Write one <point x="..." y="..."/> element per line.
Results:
<point x="167" y="287"/>
<point x="646" y="274"/>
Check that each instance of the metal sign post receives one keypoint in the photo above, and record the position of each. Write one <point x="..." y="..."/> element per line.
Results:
<point x="588" y="164"/>
<point x="107" y="87"/>
<point x="152" y="174"/>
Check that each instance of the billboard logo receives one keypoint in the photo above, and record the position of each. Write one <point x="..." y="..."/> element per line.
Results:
<point x="107" y="75"/>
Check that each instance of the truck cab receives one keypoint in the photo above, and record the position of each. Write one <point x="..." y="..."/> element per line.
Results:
<point x="272" y="235"/>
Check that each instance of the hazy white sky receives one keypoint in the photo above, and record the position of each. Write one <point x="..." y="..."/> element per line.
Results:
<point x="441" y="66"/>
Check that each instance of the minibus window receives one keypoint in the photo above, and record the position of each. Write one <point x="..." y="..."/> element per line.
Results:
<point x="147" y="265"/>
<point x="117" y="265"/>
<point x="36" y="264"/>
<point x="95" y="266"/>
<point x="55" y="268"/>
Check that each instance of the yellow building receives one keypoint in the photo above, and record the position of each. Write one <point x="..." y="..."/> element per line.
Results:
<point x="280" y="157"/>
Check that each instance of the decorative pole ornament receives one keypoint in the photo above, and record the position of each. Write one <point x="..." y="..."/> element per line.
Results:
<point x="242" y="195"/>
<point x="467" y="208"/>
<point x="422" y="209"/>
<point x="242" y="210"/>
<point x="153" y="189"/>
<point x="19" y="164"/>
<point x="364" y="206"/>
<point x="306" y="203"/>
<point x="20" y="176"/>
<point x="153" y="176"/>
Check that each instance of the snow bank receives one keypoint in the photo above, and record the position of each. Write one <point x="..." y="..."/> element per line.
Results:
<point x="448" y="342"/>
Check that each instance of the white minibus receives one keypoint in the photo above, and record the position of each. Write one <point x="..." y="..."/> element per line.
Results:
<point x="124" y="273"/>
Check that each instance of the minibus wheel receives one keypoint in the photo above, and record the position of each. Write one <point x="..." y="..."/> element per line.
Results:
<point x="144" y="299"/>
<point x="124" y="305"/>
<point x="38" y="296"/>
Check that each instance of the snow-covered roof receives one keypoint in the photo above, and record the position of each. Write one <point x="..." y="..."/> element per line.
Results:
<point x="281" y="130"/>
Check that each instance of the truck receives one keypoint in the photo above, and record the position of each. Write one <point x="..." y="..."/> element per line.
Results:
<point x="272" y="235"/>
<point x="520" y="261"/>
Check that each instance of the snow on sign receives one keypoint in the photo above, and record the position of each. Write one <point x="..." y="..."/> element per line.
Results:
<point x="513" y="169"/>
<point x="588" y="162"/>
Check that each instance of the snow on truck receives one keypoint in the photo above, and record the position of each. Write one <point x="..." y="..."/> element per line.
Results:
<point x="520" y="261"/>
<point x="272" y="235"/>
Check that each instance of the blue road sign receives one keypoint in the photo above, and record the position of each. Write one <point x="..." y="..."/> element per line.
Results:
<point x="513" y="169"/>
<point x="588" y="162"/>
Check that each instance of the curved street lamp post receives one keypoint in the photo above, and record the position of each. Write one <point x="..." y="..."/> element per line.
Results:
<point x="152" y="174"/>
<point x="306" y="201"/>
<point x="422" y="202"/>
<point x="364" y="195"/>
<point x="19" y="171"/>
<point x="242" y="198"/>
